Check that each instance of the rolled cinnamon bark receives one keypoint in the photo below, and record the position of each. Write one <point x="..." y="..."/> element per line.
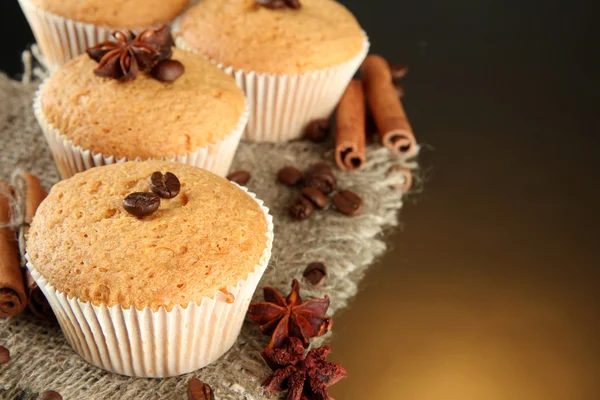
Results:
<point x="350" y="135"/>
<point x="13" y="298"/>
<point x="36" y="301"/>
<point x="394" y="129"/>
<point x="408" y="178"/>
<point x="35" y="195"/>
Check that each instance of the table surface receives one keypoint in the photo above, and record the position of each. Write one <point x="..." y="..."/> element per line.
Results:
<point x="491" y="287"/>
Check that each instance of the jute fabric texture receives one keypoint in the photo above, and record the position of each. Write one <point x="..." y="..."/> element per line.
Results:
<point x="41" y="358"/>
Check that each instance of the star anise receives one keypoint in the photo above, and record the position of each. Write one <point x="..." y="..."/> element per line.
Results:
<point x="305" y="377"/>
<point x="290" y="317"/>
<point x="276" y="4"/>
<point x="125" y="57"/>
<point x="289" y="353"/>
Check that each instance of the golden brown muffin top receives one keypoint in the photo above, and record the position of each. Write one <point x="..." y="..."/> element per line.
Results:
<point x="116" y="13"/>
<point x="84" y="243"/>
<point x="143" y="118"/>
<point x="245" y="35"/>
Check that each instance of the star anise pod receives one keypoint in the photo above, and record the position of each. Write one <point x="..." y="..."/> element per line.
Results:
<point x="160" y="38"/>
<point x="276" y="4"/>
<point x="125" y="57"/>
<point x="289" y="353"/>
<point x="305" y="377"/>
<point x="290" y="317"/>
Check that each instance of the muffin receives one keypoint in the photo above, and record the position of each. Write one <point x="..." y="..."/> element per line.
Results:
<point x="294" y="64"/>
<point x="153" y="296"/>
<point x="89" y="120"/>
<point x="63" y="29"/>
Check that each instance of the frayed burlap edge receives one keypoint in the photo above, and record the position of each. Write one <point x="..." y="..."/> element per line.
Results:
<point x="41" y="359"/>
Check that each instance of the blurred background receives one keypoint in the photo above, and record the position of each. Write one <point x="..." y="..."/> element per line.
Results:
<point x="491" y="288"/>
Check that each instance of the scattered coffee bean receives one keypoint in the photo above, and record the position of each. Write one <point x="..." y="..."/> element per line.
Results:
<point x="272" y="4"/>
<point x="398" y="71"/>
<point x="198" y="390"/>
<point x="167" y="70"/>
<point x="320" y="166"/>
<point x="141" y="204"/>
<point x="50" y="395"/>
<point x="289" y="176"/>
<point x="317" y="131"/>
<point x="321" y="177"/>
<point x="348" y="203"/>
<point x="166" y="186"/>
<point x="295" y="4"/>
<point x="302" y="209"/>
<point x="240" y="177"/>
<point x="316" y="197"/>
<point x="4" y="355"/>
<point x="315" y="273"/>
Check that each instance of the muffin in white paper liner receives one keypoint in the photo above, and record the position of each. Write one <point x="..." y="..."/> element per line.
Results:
<point x="282" y="106"/>
<point x="71" y="159"/>
<point x="61" y="39"/>
<point x="156" y="344"/>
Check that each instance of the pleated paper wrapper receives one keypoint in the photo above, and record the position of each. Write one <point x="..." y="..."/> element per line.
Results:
<point x="61" y="39"/>
<point x="282" y="106"/>
<point x="71" y="159"/>
<point x="156" y="344"/>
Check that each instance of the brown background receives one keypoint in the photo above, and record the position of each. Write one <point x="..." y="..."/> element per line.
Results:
<point x="491" y="289"/>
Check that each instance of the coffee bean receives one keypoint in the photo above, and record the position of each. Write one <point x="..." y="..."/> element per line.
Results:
<point x="240" y="177"/>
<point x="273" y="4"/>
<point x="398" y="71"/>
<point x="141" y="204"/>
<point x="321" y="166"/>
<point x="4" y="355"/>
<point x="321" y="177"/>
<point x="289" y="176"/>
<point x="166" y="186"/>
<point x="316" y="197"/>
<point x="50" y="395"/>
<point x="315" y="273"/>
<point x="348" y="203"/>
<point x="167" y="70"/>
<point x="295" y="4"/>
<point x="198" y="390"/>
<point x="317" y="131"/>
<point x="302" y="209"/>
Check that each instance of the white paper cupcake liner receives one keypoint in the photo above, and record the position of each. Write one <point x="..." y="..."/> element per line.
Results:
<point x="61" y="39"/>
<point x="156" y="344"/>
<point x="71" y="159"/>
<point x="281" y="106"/>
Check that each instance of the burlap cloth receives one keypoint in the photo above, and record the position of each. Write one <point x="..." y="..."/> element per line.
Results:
<point x="41" y="358"/>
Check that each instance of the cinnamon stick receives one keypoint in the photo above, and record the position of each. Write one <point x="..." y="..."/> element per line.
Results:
<point x="394" y="129"/>
<point x="408" y="178"/>
<point x="35" y="195"/>
<point x="351" y="128"/>
<point x="37" y="302"/>
<point x="13" y="298"/>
